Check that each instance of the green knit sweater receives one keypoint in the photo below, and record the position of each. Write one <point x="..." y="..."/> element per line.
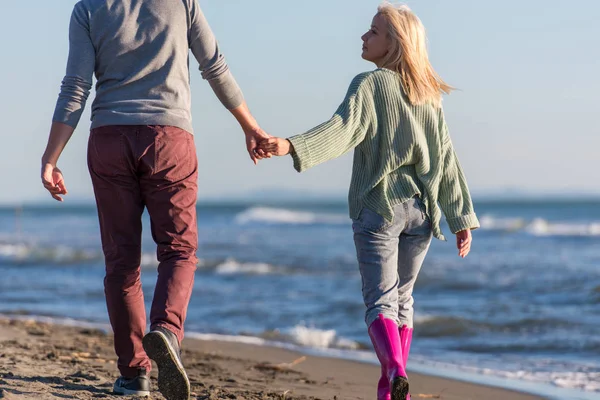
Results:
<point x="401" y="150"/>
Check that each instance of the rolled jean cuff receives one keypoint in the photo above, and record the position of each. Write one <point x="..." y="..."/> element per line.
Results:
<point x="387" y="313"/>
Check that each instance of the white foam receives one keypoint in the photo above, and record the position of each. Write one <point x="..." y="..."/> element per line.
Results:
<point x="540" y="227"/>
<point x="26" y="253"/>
<point x="149" y="260"/>
<point x="492" y="223"/>
<point x="584" y="381"/>
<point x="319" y="338"/>
<point x="284" y="216"/>
<point x="233" y="267"/>
<point x="422" y="317"/>
<point x="346" y="354"/>
<point x="14" y="251"/>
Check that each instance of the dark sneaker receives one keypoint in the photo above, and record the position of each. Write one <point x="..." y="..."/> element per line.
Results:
<point x="162" y="346"/>
<point x="138" y="386"/>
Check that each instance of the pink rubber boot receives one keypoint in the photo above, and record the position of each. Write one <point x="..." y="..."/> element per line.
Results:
<point x="385" y="336"/>
<point x="383" y="387"/>
<point x="405" y="341"/>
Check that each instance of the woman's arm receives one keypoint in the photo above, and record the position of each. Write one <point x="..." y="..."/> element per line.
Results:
<point x="454" y="196"/>
<point x="344" y="131"/>
<point x="215" y="70"/>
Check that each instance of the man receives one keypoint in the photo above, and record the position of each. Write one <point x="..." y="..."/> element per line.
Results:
<point x="141" y="154"/>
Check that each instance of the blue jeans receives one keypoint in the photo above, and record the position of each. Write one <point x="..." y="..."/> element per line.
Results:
<point x="390" y="256"/>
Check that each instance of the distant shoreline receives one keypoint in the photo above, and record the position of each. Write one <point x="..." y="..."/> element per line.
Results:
<point x="300" y="201"/>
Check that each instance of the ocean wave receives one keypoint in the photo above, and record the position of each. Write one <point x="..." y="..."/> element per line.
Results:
<point x="269" y="215"/>
<point x="22" y="254"/>
<point x="233" y="267"/>
<point x="443" y="326"/>
<point x="553" y="346"/>
<point x="26" y="254"/>
<point x="433" y="280"/>
<point x="565" y="380"/>
<point x="149" y="260"/>
<point x="491" y="223"/>
<point x="595" y="295"/>
<point x="437" y="326"/>
<point x="540" y="227"/>
<point x="311" y="338"/>
<point x="229" y="266"/>
<point x="320" y="338"/>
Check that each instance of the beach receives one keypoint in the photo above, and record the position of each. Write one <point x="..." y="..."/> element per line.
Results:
<point x="46" y="361"/>
<point x="513" y="314"/>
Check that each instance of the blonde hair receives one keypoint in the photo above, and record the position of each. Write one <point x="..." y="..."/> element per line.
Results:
<point x="408" y="55"/>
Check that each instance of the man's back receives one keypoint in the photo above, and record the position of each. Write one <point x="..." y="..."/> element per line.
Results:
<point x="138" y="50"/>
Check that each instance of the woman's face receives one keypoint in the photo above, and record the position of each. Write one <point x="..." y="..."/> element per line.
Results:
<point x="376" y="43"/>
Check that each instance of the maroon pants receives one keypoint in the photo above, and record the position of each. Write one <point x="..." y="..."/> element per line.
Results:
<point x="133" y="167"/>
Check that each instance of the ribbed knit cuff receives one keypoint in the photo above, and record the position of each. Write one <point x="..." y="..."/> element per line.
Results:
<point x="463" y="222"/>
<point x="300" y="153"/>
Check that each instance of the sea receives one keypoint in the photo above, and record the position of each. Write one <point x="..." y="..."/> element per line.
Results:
<point x="522" y="311"/>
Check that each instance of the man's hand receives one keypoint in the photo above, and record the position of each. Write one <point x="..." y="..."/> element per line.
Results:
<point x="253" y="132"/>
<point x="52" y="177"/>
<point x="253" y="137"/>
<point x="276" y="146"/>
<point x="53" y="181"/>
<point x="463" y="242"/>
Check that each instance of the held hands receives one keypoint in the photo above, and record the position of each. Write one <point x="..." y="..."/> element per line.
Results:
<point x="253" y="138"/>
<point x="463" y="242"/>
<point x="275" y="146"/>
<point x="53" y="181"/>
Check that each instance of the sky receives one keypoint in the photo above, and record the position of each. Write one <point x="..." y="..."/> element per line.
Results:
<point x="524" y="117"/>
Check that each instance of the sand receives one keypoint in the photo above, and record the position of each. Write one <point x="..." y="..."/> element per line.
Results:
<point x="42" y="361"/>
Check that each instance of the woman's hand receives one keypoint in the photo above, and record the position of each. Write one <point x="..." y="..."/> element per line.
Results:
<point x="463" y="242"/>
<point x="276" y="146"/>
<point x="53" y="181"/>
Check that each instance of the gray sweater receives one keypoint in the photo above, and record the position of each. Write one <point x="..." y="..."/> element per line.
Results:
<point x="139" y="52"/>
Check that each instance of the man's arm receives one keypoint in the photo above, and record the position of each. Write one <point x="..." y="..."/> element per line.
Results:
<point x="215" y="70"/>
<point x="74" y="92"/>
<point x="253" y="132"/>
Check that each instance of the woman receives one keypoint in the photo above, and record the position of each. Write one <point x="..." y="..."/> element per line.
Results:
<point x="141" y="154"/>
<point x="405" y="170"/>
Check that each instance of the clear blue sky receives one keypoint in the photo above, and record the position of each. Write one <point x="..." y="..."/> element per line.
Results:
<point x="526" y="115"/>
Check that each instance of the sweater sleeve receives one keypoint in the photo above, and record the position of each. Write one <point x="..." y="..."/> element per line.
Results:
<point x="213" y="66"/>
<point x="77" y="82"/>
<point x="454" y="197"/>
<point x="344" y="131"/>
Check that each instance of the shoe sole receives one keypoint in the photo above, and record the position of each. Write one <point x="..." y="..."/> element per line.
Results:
<point x="400" y="388"/>
<point x="127" y="392"/>
<point x="173" y="382"/>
